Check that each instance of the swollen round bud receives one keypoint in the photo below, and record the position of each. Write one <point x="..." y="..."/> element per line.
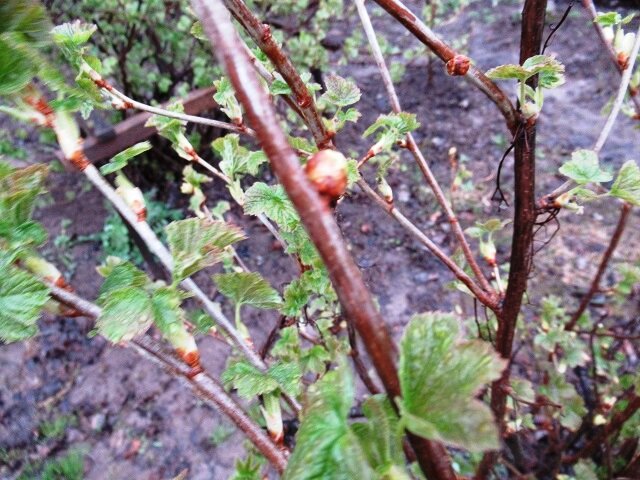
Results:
<point x="458" y="65"/>
<point x="327" y="171"/>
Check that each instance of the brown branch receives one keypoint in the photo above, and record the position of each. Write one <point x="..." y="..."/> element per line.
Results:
<point x="602" y="267"/>
<point x="261" y="35"/>
<point x="358" y="363"/>
<point x="316" y="217"/>
<point x="475" y="76"/>
<point x="591" y="10"/>
<point x="201" y="384"/>
<point x="533" y="19"/>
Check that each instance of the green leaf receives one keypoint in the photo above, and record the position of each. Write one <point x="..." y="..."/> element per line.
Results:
<point x="19" y="189"/>
<point x="226" y="98"/>
<point x="508" y="72"/>
<point x="245" y="288"/>
<point x="119" y="161"/>
<point x="126" y="313"/>
<point x="439" y="377"/>
<point x="608" y="19"/>
<point x="17" y="69"/>
<point x="584" y="168"/>
<point x="295" y="298"/>
<point x="170" y="318"/>
<point x="22" y="298"/>
<point x="381" y="437"/>
<point x="340" y="91"/>
<point x="198" y="243"/>
<point x="627" y="184"/>
<point x="392" y="128"/>
<point x="118" y="276"/>
<point x="550" y="71"/>
<point x="279" y="87"/>
<point x="25" y="19"/>
<point x="272" y="201"/>
<point x="251" y="382"/>
<point x="236" y="159"/>
<point x="326" y="447"/>
<point x="73" y="33"/>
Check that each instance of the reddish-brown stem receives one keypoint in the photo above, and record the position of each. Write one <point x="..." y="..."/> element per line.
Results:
<point x="609" y="429"/>
<point x="423" y="33"/>
<point x="202" y="385"/>
<point x="533" y="17"/>
<point x="261" y="34"/>
<point x="316" y="217"/>
<point x="416" y="233"/>
<point x="591" y="10"/>
<point x="625" y="209"/>
<point x="358" y="363"/>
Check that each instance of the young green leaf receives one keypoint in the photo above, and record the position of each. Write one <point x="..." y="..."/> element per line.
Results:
<point x="22" y="298"/>
<point x="17" y="69"/>
<point x="248" y="289"/>
<point x="196" y="243"/>
<point x="584" y="168"/>
<point x="237" y="160"/>
<point x="19" y="189"/>
<point x="126" y="313"/>
<point x="627" y="184"/>
<point x="340" y="91"/>
<point x="251" y="382"/>
<point x="272" y="201"/>
<point x="325" y="445"/>
<point x="392" y="128"/>
<point x="550" y="71"/>
<point x="119" y="161"/>
<point x="381" y="438"/>
<point x="439" y="377"/>
<point x="226" y="98"/>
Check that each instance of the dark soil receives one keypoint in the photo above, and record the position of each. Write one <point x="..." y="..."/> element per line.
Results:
<point x="133" y="421"/>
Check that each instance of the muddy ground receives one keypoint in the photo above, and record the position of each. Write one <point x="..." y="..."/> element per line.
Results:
<point x="131" y="420"/>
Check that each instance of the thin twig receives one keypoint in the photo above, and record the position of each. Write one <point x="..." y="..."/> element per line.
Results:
<point x="625" y="209"/>
<point x="128" y="102"/>
<point x="261" y="35"/>
<point x="413" y="148"/>
<point x="202" y="384"/>
<point x="316" y="216"/>
<point x="416" y="233"/>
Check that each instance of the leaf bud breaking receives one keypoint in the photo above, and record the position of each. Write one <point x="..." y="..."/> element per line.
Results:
<point x="327" y="171"/>
<point x="458" y="65"/>
<point x="132" y="197"/>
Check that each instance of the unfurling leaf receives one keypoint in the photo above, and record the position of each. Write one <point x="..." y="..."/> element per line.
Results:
<point x="125" y="313"/>
<point x="272" y="201"/>
<point x="550" y="71"/>
<point x="392" y="128"/>
<point x="584" y="168"/>
<point x="340" y="91"/>
<point x="226" y="98"/>
<point x="119" y="161"/>
<point x="439" y="377"/>
<point x="251" y="382"/>
<point x="22" y="298"/>
<point x="236" y="159"/>
<point x="196" y="244"/>
<point x="248" y="289"/>
<point x="627" y="184"/>
<point x="325" y="445"/>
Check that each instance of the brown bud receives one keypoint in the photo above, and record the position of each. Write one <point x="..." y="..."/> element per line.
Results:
<point x="458" y="65"/>
<point x="327" y="171"/>
<point x="623" y="60"/>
